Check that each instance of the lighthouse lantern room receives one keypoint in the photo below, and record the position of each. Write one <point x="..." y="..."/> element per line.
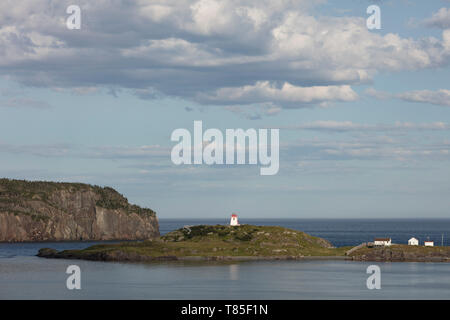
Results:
<point x="234" y="220"/>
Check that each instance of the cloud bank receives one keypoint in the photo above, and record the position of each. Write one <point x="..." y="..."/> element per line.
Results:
<point x="207" y="51"/>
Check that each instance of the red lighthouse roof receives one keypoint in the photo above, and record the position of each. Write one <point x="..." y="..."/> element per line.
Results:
<point x="234" y="215"/>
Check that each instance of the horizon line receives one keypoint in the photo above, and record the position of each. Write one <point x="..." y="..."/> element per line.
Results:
<point x="308" y="218"/>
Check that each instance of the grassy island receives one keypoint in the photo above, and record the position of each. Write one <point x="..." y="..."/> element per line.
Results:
<point x="219" y="242"/>
<point x="245" y="242"/>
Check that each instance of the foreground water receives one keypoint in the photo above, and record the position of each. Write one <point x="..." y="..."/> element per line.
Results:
<point x="24" y="276"/>
<point x="35" y="278"/>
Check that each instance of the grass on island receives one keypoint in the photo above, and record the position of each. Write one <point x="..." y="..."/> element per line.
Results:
<point x="222" y="240"/>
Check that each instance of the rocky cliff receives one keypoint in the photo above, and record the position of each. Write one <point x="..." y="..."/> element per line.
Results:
<point x="49" y="211"/>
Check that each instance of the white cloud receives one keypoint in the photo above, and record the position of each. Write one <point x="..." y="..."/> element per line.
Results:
<point x="349" y="126"/>
<point x="440" y="19"/>
<point x="265" y="92"/>
<point x="255" y="112"/>
<point x="126" y="152"/>
<point x="367" y="148"/>
<point x="98" y="152"/>
<point x="24" y="103"/>
<point x="440" y="97"/>
<point x="202" y="50"/>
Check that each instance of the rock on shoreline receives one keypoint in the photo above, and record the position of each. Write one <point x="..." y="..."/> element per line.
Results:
<point x="402" y="253"/>
<point x="120" y="256"/>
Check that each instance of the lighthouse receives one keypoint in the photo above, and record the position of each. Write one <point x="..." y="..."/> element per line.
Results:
<point x="234" y="220"/>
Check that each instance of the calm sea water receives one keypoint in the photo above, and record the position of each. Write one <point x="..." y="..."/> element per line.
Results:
<point x="24" y="276"/>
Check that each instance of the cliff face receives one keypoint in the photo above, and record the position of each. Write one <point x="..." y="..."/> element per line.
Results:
<point x="48" y="211"/>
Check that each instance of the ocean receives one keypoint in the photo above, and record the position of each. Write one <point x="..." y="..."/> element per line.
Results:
<point x="25" y="276"/>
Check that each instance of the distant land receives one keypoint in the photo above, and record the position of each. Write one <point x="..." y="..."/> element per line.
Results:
<point x="53" y="211"/>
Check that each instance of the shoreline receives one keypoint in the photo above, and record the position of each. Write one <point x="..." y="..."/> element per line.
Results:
<point x="258" y="258"/>
<point x="119" y="256"/>
<point x="70" y="241"/>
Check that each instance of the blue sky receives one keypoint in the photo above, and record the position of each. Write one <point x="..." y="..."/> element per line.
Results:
<point x="364" y="115"/>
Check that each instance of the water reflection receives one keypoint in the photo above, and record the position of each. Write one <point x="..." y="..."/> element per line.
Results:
<point x="234" y="272"/>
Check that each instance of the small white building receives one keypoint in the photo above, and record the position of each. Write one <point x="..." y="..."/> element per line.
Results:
<point x="386" y="242"/>
<point x="429" y="244"/>
<point x="234" y="220"/>
<point x="413" y="242"/>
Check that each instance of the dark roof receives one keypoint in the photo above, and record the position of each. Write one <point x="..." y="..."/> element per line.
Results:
<point x="382" y="239"/>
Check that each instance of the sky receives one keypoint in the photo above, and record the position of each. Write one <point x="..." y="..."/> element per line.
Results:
<point x="364" y="115"/>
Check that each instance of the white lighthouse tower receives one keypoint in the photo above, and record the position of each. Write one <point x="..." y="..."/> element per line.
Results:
<point x="234" y="220"/>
